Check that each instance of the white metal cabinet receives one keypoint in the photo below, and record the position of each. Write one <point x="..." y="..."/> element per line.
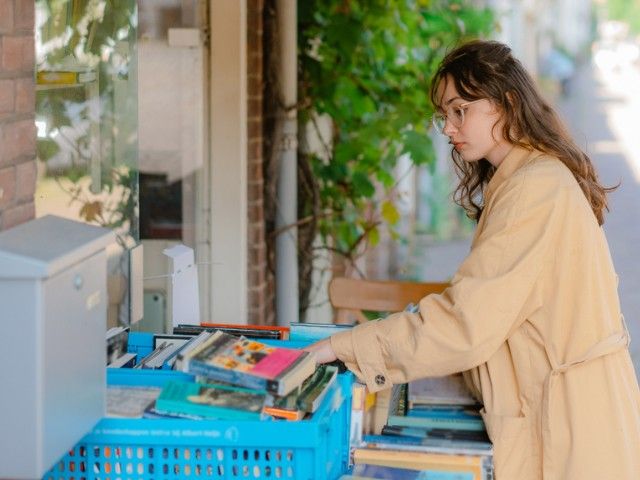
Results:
<point x="53" y="302"/>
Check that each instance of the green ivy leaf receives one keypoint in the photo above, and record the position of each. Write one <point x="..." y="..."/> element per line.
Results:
<point x="390" y="213"/>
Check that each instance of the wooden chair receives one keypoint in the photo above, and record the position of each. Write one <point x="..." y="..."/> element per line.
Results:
<point x="350" y="296"/>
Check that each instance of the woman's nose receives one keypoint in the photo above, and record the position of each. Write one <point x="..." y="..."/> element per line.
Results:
<point x="449" y="128"/>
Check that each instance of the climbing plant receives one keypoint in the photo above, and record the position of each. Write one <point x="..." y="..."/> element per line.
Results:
<point x="366" y="65"/>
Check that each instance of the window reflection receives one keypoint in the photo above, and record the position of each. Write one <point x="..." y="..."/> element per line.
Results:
<point x="86" y="117"/>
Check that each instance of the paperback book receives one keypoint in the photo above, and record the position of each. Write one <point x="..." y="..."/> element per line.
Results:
<point x="450" y="390"/>
<point x="479" y="466"/>
<point x="125" y="401"/>
<point x="211" y="401"/>
<point x="307" y="398"/>
<point x="249" y="363"/>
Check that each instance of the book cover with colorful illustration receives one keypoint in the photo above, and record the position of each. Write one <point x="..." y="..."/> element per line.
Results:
<point x="250" y="363"/>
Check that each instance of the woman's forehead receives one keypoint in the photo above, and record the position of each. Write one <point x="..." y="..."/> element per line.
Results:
<point x="446" y="91"/>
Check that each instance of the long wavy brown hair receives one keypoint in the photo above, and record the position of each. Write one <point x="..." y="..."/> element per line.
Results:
<point x="487" y="69"/>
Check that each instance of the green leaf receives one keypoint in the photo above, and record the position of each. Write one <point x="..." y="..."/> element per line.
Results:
<point x="362" y="185"/>
<point x="390" y="213"/>
<point x="374" y="237"/>
<point x="419" y="146"/>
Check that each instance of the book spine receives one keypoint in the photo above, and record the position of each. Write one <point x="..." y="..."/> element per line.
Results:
<point x="474" y="425"/>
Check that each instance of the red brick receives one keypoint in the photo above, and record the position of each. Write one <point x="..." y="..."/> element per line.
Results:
<point x="255" y="236"/>
<point x="255" y="106"/>
<point x="16" y="215"/>
<point x="6" y="15"/>
<point x="25" y="95"/>
<point x="255" y="176"/>
<point x="256" y="212"/>
<point x="18" y="53"/>
<point x="25" y="14"/>
<point x="7" y="186"/>
<point x="26" y="174"/>
<point x="255" y="190"/>
<point x="7" y="95"/>
<point x="18" y="139"/>
<point x="254" y="151"/>
<point x="254" y="79"/>
<point x="258" y="255"/>
<point x="256" y="276"/>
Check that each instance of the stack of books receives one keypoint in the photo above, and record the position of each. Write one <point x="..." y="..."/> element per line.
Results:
<point x="236" y="377"/>
<point x="433" y="431"/>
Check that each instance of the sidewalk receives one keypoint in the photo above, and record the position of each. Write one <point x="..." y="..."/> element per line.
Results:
<point x="602" y="111"/>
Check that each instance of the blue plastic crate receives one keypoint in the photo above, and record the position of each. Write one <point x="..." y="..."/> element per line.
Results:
<point x="172" y="449"/>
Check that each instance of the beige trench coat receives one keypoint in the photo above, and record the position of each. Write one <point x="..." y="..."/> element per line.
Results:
<point x="532" y="317"/>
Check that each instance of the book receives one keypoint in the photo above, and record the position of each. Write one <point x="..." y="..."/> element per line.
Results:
<point x="191" y="345"/>
<point x="437" y="433"/>
<point x="128" y="360"/>
<point x="437" y="417"/>
<point x="273" y="332"/>
<point x="157" y="358"/>
<point x="314" y="388"/>
<point x="428" y="444"/>
<point x="450" y="390"/>
<point x="477" y="465"/>
<point x="292" y="414"/>
<point x="129" y="401"/>
<point x="365" y="472"/>
<point x="312" y="332"/>
<point x="437" y="422"/>
<point x="249" y="363"/>
<point x="211" y="401"/>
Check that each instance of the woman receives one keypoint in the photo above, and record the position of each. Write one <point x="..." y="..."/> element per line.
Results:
<point x="532" y="316"/>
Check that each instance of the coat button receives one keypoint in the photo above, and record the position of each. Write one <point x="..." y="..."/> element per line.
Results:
<point x="380" y="379"/>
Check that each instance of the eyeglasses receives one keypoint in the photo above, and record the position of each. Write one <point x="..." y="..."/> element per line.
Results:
<point x="454" y="114"/>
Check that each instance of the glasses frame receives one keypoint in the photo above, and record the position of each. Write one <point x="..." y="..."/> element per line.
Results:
<point x="439" y="120"/>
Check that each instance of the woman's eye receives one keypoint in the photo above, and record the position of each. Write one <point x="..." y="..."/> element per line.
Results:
<point x="459" y="112"/>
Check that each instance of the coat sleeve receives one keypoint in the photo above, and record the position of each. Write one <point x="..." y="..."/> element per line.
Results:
<point x="490" y="295"/>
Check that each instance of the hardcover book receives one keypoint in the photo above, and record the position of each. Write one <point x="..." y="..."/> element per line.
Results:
<point x="211" y="401"/>
<point x="249" y="363"/>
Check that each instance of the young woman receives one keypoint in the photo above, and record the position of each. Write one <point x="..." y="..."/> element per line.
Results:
<point x="532" y="316"/>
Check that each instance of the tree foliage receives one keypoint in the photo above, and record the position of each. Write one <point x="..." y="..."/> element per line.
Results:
<point x="367" y="65"/>
<point x="627" y="11"/>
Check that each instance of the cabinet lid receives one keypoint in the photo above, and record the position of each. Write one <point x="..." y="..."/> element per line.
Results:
<point x="45" y="246"/>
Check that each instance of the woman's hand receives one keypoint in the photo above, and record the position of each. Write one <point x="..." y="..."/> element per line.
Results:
<point x="322" y="350"/>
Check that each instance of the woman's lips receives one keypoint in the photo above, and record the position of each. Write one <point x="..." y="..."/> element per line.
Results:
<point x="457" y="145"/>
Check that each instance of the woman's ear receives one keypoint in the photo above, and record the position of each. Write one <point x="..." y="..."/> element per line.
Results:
<point x="512" y="99"/>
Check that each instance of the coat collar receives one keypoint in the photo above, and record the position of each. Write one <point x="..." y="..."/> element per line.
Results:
<point x="516" y="158"/>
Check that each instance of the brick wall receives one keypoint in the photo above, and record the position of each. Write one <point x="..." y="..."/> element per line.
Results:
<point x="261" y="290"/>
<point x="17" y="105"/>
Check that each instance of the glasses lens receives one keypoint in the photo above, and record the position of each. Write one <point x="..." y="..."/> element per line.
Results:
<point x="457" y="116"/>
<point x="439" y="121"/>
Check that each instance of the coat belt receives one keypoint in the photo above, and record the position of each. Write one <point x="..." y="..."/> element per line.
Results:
<point x="609" y="345"/>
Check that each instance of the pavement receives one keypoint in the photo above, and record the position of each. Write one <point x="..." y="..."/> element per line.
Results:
<point x="602" y="111"/>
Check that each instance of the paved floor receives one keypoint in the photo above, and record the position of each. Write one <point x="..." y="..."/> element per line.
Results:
<point x="602" y="110"/>
<point x="603" y="113"/>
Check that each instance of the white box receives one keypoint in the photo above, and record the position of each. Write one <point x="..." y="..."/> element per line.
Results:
<point x="53" y="304"/>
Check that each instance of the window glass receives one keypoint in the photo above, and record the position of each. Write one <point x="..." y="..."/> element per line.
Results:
<point x="86" y="118"/>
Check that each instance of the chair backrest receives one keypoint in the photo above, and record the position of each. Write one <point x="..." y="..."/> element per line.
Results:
<point x="354" y="295"/>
